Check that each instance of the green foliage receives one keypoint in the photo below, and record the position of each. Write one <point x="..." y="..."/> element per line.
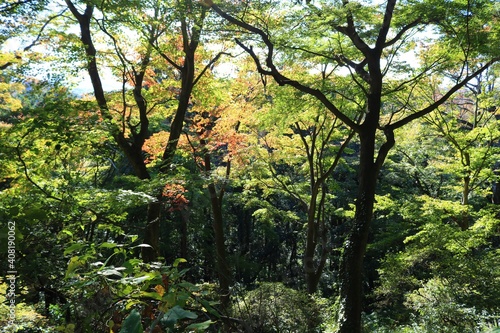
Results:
<point x="157" y="294"/>
<point x="439" y="310"/>
<point x="27" y="318"/>
<point x="81" y="213"/>
<point x="445" y="273"/>
<point x="272" y="307"/>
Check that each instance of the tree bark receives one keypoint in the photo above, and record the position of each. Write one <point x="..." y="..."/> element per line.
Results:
<point x="351" y="262"/>
<point x="187" y="77"/>
<point x="191" y="41"/>
<point x="152" y="232"/>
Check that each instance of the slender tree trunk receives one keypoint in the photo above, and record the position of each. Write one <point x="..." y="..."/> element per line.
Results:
<point x="312" y="278"/>
<point x="314" y="266"/>
<point x="178" y="122"/>
<point x="463" y="221"/>
<point x="152" y="232"/>
<point x="184" y="233"/>
<point x="495" y="198"/>
<point x="187" y="82"/>
<point x="223" y="270"/>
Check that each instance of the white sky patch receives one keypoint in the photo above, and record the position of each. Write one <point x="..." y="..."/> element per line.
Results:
<point x="108" y="80"/>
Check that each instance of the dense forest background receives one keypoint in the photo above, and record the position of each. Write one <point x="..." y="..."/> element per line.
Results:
<point x="250" y="166"/>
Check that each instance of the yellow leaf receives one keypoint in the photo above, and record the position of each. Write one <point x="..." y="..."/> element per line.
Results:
<point x="160" y="290"/>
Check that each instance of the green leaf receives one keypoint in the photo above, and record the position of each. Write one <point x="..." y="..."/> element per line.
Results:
<point x="209" y="308"/>
<point x="132" y="324"/>
<point x="178" y="261"/>
<point x="176" y="313"/>
<point x="110" y="272"/>
<point x="73" y="247"/>
<point x="153" y="295"/>
<point x="74" y="263"/>
<point x="107" y="245"/>
<point x="200" y="326"/>
<point x="67" y="232"/>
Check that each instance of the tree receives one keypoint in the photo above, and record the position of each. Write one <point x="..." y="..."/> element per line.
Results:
<point x="284" y="169"/>
<point x="301" y="145"/>
<point x="469" y="123"/>
<point x="371" y="55"/>
<point x="207" y="144"/>
<point x="158" y="40"/>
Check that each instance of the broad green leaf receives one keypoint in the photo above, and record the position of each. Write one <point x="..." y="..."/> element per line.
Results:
<point x="209" y="308"/>
<point x="175" y="314"/>
<point x="132" y="324"/>
<point x="74" y="263"/>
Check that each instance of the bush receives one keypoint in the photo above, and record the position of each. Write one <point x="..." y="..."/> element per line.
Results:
<point x="438" y="310"/>
<point x="274" y="308"/>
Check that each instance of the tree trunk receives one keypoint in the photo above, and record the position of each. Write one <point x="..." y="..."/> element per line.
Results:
<point x="152" y="232"/>
<point x="223" y="270"/>
<point x="184" y="233"/>
<point x="187" y="80"/>
<point x="131" y="148"/>
<point x="312" y="278"/>
<point x="351" y="262"/>
<point x="495" y="198"/>
<point x="314" y="267"/>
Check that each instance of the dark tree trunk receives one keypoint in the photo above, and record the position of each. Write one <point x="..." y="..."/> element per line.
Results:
<point x="312" y="278"/>
<point x="223" y="271"/>
<point x="351" y="264"/>
<point x="187" y="74"/>
<point x="496" y="193"/>
<point x="495" y="198"/>
<point x="314" y="267"/>
<point x="222" y="266"/>
<point x="152" y="232"/>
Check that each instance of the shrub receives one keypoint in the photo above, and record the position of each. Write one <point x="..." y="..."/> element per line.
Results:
<point x="274" y="308"/>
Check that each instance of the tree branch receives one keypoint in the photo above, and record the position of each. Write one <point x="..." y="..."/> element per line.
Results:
<point x="273" y="71"/>
<point x="210" y="64"/>
<point x="384" y="30"/>
<point x="402" y="32"/>
<point x="443" y="99"/>
<point x="350" y="31"/>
